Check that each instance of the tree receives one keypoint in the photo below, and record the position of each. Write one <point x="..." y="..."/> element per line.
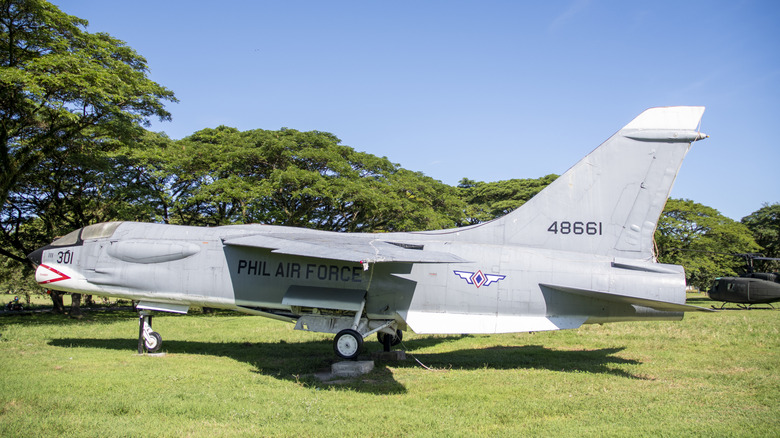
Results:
<point x="69" y="101"/>
<point x="64" y="94"/>
<point x="487" y="201"/>
<point x="288" y="177"/>
<point x="702" y="240"/>
<point x="765" y="225"/>
<point x="15" y="281"/>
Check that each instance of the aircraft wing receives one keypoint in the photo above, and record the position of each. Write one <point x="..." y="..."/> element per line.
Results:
<point x="345" y="247"/>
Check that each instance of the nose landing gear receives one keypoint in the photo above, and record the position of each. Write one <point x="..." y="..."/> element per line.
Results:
<point x="148" y="340"/>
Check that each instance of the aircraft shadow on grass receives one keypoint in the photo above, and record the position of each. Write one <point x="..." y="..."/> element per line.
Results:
<point x="300" y="361"/>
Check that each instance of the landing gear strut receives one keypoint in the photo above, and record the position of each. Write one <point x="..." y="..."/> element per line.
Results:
<point x="148" y="340"/>
<point x="388" y="340"/>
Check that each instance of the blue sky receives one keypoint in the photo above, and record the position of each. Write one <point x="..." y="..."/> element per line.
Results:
<point x="488" y="90"/>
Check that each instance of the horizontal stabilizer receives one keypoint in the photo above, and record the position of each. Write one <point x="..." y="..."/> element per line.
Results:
<point x="643" y="266"/>
<point x="346" y="247"/>
<point x="663" y="306"/>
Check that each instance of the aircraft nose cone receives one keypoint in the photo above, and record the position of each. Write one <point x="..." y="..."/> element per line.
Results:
<point x="36" y="256"/>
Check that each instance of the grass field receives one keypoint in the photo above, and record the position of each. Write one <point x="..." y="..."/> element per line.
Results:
<point x="225" y="374"/>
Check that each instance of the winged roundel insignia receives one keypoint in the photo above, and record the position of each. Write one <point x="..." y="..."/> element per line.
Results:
<point x="479" y="279"/>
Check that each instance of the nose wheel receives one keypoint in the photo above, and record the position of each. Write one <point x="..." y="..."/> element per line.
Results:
<point x="148" y="340"/>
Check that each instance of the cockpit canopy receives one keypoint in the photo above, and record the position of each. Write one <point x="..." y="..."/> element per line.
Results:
<point x="96" y="231"/>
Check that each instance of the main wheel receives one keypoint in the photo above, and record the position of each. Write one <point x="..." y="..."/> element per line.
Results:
<point x="395" y="339"/>
<point x="154" y="343"/>
<point x="348" y="344"/>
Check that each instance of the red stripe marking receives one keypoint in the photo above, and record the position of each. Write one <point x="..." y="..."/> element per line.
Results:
<point x="60" y="278"/>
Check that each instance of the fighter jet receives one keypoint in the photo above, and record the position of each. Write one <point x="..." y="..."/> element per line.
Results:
<point x="579" y="252"/>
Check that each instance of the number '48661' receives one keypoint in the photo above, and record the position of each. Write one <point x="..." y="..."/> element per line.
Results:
<point x="566" y="227"/>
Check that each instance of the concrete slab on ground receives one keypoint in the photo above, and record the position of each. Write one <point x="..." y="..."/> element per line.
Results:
<point x="351" y="368"/>
<point x="389" y="356"/>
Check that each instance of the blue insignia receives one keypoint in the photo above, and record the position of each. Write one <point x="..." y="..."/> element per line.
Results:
<point x="479" y="279"/>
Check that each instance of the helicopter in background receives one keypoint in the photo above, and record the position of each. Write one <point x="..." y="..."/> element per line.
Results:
<point x="750" y="288"/>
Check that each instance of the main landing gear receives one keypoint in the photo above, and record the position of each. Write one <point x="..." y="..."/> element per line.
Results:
<point x="148" y="340"/>
<point x="350" y="330"/>
<point x="349" y="342"/>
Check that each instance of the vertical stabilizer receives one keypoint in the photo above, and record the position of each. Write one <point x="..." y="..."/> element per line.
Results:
<point x="610" y="201"/>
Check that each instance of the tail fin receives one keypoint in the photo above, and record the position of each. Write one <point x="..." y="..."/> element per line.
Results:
<point x="610" y="201"/>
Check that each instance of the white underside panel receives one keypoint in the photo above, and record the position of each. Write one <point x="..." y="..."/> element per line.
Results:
<point x="163" y="307"/>
<point x="459" y="323"/>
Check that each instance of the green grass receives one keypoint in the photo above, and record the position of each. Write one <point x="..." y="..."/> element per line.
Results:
<point x="227" y="374"/>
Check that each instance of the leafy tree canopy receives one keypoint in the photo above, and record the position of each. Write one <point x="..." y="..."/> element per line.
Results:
<point x="486" y="201"/>
<point x="288" y="177"/>
<point x="68" y="101"/>
<point x="765" y="225"/>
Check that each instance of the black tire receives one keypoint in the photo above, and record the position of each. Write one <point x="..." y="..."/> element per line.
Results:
<point x="399" y="336"/>
<point x="155" y="343"/>
<point x="348" y="344"/>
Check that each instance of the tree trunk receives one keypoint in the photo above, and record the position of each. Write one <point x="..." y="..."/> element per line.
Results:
<point x="56" y="299"/>
<point x="75" y="306"/>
